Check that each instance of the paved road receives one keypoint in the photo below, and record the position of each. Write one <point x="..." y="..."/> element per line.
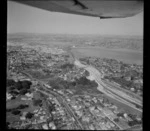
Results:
<point x="112" y="85"/>
<point x="98" y="77"/>
<point x="65" y="105"/>
<point x="60" y="98"/>
<point x="116" y="94"/>
<point x="102" y="87"/>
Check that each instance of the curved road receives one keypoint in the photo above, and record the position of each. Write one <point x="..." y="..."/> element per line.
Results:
<point x="113" y="93"/>
<point x="44" y="90"/>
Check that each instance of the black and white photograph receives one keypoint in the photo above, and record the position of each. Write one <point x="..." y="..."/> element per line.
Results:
<point x="74" y="64"/>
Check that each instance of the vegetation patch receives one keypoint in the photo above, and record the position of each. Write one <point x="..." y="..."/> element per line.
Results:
<point x="80" y="85"/>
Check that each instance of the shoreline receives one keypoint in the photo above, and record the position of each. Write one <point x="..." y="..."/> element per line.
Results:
<point x="124" y="55"/>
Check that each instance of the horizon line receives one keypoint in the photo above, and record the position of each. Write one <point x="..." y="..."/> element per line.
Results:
<point x="72" y="34"/>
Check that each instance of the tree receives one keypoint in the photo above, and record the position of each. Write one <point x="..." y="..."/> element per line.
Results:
<point x="22" y="106"/>
<point x="11" y="88"/>
<point x="13" y="98"/>
<point x="73" y="83"/>
<point x="10" y="82"/>
<point x="87" y="73"/>
<point x="132" y="123"/>
<point x="26" y="84"/>
<point x="29" y="115"/>
<point x="23" y="91"/>
<point x="67" y="65"/>
<point x="120" y="114"/>
<point x="14" y="92"/>
<point x="37" y="102"/>
<point x="16" y="112"/>
<point x="18" y="85"/>
<point x="116" y="120"/>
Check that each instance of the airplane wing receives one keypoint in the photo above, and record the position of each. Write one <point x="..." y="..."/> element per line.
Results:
<point x="96" y="8"/>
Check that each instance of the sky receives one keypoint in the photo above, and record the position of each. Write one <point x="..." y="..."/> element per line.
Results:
<point x="23" y="18"/>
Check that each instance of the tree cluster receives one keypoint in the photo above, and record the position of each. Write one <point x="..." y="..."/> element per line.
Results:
<point x="20" y="87"/>
<point x="67" y="65"/>
<point x="37" y="102"/>
<point x="82" y="82"/>
<point x="21" y="106"/>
